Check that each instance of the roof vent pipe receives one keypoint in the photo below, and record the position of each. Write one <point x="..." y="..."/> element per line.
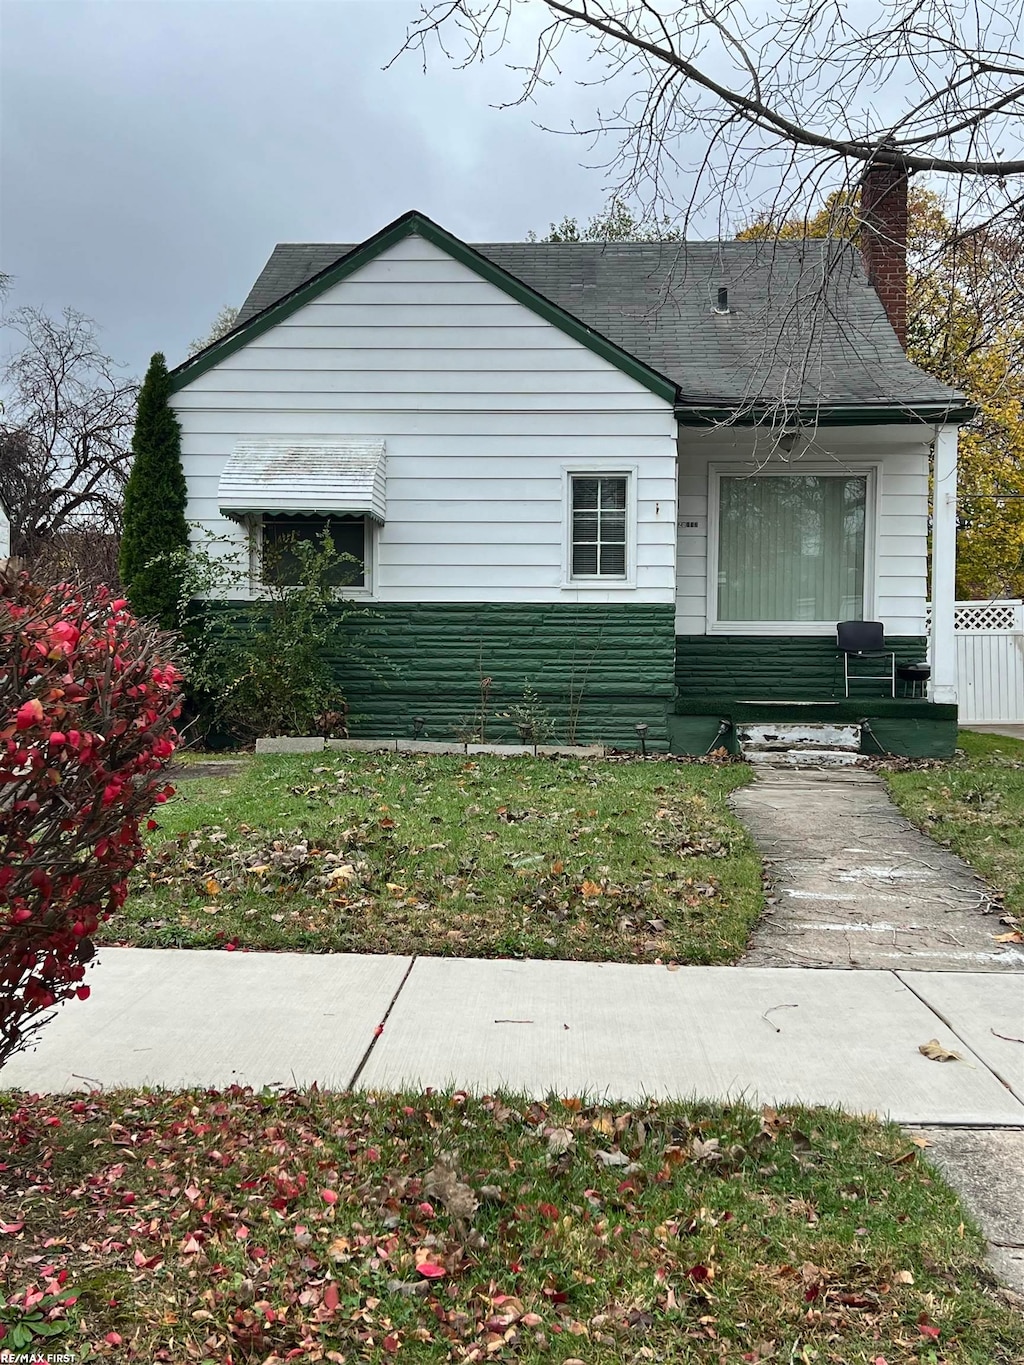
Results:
<point x="723" y="301"/>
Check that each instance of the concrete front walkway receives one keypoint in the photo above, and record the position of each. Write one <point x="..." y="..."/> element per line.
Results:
<point x="857" y="885"/>
<point x="174" y="1018"/>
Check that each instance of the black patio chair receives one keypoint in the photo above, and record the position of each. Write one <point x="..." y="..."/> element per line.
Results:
<point x="864" y="640"/>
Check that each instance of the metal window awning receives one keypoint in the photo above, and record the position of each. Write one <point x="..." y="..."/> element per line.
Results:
<point x="342" y="477"/>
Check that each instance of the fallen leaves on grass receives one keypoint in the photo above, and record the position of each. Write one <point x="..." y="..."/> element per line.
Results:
<point x="210" y="862"/>
<point x="689" y="828"/>
<point x="232" y="1226"/>
<point x="460" y="1202"/>
<point x="582" y="860"/>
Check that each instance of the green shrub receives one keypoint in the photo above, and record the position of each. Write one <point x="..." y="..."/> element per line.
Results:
<point x="258" y="667"/>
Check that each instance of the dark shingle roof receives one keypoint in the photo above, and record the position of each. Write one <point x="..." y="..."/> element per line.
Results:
<point x="803" y="327"/>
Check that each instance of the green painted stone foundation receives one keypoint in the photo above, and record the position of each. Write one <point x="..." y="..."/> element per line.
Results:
<point x="793" y="668"/>
<point x="597" y="669"/>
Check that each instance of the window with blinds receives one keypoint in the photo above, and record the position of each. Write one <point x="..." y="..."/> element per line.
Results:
<point x="599" y="525"/>
<point x="791" y="548"/>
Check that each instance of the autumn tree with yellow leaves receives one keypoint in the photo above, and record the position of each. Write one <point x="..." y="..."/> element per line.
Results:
<point x="966" y="328"/>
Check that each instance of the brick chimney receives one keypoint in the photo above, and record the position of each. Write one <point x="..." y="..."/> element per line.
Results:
<point x="883" y="239"/>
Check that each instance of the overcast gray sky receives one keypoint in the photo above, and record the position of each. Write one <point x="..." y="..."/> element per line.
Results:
<point x="153" y="151"/>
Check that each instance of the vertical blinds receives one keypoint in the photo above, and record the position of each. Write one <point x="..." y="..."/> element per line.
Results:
<point x="791" y="547"/>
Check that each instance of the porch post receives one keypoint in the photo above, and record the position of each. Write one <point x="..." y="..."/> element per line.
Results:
<point x="943" y="653"/>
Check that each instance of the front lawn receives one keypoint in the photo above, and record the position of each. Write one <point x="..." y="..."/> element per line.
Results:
<point x="222" y="1227"/>
<point x="592" y="860"/>
<point x="975" y="803"/>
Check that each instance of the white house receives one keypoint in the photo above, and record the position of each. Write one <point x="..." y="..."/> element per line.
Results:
<point x="5" y="533"/>
<point x="647" y="478"/>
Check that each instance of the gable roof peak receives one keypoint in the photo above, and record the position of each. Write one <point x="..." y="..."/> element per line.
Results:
<point x="805" y="329"/>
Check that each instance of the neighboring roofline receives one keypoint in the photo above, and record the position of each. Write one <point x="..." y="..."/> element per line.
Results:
<point x="850" y="415"/>
<point x="407" y="225"/>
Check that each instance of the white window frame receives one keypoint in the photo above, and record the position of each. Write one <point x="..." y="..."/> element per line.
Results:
<point x="366" y="589"/>
<point x="599" y="469"/>
<point x="870" y="470"/>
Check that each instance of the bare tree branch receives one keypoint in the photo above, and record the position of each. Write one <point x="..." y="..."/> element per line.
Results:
<point x="935" y="87"/>
<point x="65" y="432"/>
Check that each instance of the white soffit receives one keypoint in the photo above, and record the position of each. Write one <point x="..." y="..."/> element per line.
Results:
<point x="305" y="476"/>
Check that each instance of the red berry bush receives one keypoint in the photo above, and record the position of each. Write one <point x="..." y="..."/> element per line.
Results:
<point x="88" y="699"/>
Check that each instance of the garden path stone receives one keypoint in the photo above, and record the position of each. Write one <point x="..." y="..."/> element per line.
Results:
<point x="181" y="1017"/>
<point x="857" y="885"/>
<point x="186" y="772"/>
<point x="362" y="746"/>
<point x="429" y="746"/>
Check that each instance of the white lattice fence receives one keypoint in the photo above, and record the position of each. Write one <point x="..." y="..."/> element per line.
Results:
<point x="990" y="661"/>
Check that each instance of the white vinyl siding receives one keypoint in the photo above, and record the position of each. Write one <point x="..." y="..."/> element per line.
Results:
<point x="482" y="406"/>
<point x="896" y="572"/>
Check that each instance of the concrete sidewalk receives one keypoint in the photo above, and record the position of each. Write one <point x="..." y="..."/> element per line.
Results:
<point x="773" y="1035"/>
<point x="1010" y="730"/>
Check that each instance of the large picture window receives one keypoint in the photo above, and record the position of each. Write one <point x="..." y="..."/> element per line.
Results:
<point x="282" y="532"/>
<point x="599" y="505"/>
<point x="791" y="548"/>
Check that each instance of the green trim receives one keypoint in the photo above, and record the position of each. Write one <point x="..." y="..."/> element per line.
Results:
<point x="414" y="223"/>
<point x="687" y="414"/>
<point x="854" y="709"/>
<point x="926" y="414"/>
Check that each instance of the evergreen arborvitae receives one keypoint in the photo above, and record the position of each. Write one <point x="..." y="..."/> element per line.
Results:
<point x="154" y="502"/>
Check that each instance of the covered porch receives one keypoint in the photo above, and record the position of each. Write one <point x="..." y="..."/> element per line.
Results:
<point x="776" y="548"/>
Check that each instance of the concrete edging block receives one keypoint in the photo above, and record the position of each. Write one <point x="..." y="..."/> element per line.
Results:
<point x="571" y="751"/>
<point x="430" y="746"/>
<point x="502" y="750"/>
<point x="314" y="744"/>
<point x="290" y="744"/>
<point x="364" y="746"/>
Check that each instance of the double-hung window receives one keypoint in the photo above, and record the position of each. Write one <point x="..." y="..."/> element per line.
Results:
<point x="792" y="549"/>
<point x="598" y="534"/>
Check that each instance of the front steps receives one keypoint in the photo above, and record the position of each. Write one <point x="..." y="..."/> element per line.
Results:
<point x="799" y="745"/>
